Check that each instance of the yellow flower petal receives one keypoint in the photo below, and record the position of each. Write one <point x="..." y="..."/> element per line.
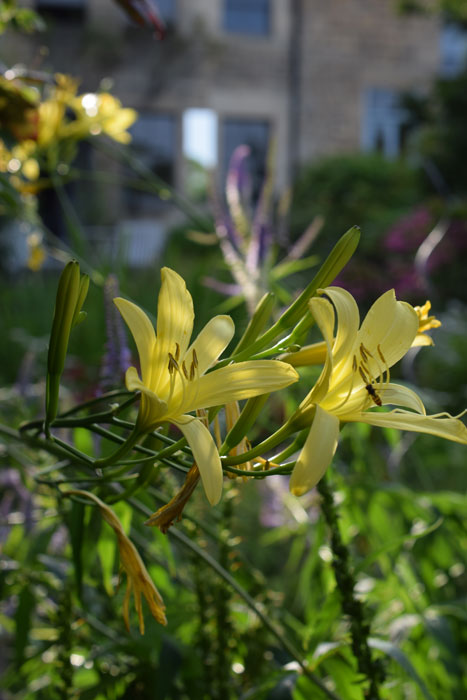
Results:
<point x="441" y="425"/>
<point x="399" y="395"/>
<point x="239" y="381"/>
<point x="390" y="324"/>
<point x="175" y="317"/>
<point x="317" y="452"/>
<point x="422" y="339"/>
<point x="394" y="394"/>
<point x="323" y="313"/>
<point x="349" y="321"/>
<point x="205" y="455"/>
<point x="211" y="342"/>
<point x="152" y="408"/>
<point x="143" y="333"/>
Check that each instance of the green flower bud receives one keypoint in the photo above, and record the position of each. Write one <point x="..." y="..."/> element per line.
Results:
<point x="334" y="263"/>
<point x="257" y="322"/>
<point x="71" y="294"/>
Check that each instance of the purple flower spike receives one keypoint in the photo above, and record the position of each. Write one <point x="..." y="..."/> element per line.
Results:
<point x="117" y="357"/>
<point x="238" y="189"/>
<point x="261" y="232"/>
<point x="238" y="177"/>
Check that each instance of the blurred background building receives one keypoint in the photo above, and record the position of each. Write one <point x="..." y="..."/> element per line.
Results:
<point x="317" y="77"/>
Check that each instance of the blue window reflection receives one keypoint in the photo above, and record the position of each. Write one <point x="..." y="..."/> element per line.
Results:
<point x="247" y="16"/>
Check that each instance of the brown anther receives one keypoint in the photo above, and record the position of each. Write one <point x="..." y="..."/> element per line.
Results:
<point x="365" y="350"/>
<point x="363" y="376"/>
<point x="195" y="359"/>
<point x="192" y="372"/>
<point x="177" y="351"/>
<point x="173" y="364"/>
<point x="362" y="352"/>
<point x="184" y="369"/>
<point x="378" y="347"/>
<point x="354" y="364"/>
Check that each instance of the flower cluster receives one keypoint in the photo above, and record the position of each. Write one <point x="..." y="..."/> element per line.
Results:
<point x="183" y="382"/>
<point x="354" y="383"/>
<point x="42" y="127"/>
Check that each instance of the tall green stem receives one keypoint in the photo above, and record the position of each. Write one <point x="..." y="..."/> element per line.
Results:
<point x="354" y="608"/>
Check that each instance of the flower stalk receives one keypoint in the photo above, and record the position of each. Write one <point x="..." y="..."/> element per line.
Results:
<point x="352" y="607"/>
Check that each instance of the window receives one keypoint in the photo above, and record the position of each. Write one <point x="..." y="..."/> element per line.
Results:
<point x="62" y="9"/>
<point x="252" y="133"/>
<point x="166" y="9"/>
<point x="247" y="16"/>
<point x="384" y="122"/>
<point x="154" y="146"/>
<point x="200" y="136"/>
<point x="453" y="49"/>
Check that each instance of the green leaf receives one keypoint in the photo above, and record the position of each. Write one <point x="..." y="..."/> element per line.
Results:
<point x="75" y="522"/>
<point x="397" y="543"/>
<point x="82" y="440"/>
<point x="289" y="267"/>
<point x="398" y="655"/>
<point x="23" y="617"/>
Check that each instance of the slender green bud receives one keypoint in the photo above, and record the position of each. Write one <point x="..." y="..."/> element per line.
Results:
<point x="71" y="294"/>
<point x="257" y="322"/>
<point x="246" y="419"/>
<point x="79" y="315"/>
<point x="334" y="263"/>
<point x="65" y="304"/>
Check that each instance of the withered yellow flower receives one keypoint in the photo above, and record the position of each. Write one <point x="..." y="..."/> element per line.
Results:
<point x="138" y="580"/>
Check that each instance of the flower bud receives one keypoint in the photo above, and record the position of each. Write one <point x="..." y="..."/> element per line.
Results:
<point x="71" y="294"/>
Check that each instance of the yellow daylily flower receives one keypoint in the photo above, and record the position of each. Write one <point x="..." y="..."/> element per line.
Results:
<point x="355" y="379"/>
<point x="173" y="373"/>
<point x="138" y="580"/>
<point x="425" y="323"/>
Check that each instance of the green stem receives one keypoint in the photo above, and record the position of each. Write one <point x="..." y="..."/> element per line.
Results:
<point x="99" y="399"/>
<point x="272" y="441"/>
<point x="261" y="473"/>
<point x="352" y="607"/>
<point x="275" y="631"/>
<point x="76" y="454"/>
<point x="54" y="446"/>
<point x="121" y="451"/>
<point x="137" y="448"/>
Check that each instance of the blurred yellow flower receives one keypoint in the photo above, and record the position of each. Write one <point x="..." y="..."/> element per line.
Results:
<point x="61" y="116"/>
<point x="425" y="323"/>
<point x="37" y="252"/>
<point x="103" y="113"/>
